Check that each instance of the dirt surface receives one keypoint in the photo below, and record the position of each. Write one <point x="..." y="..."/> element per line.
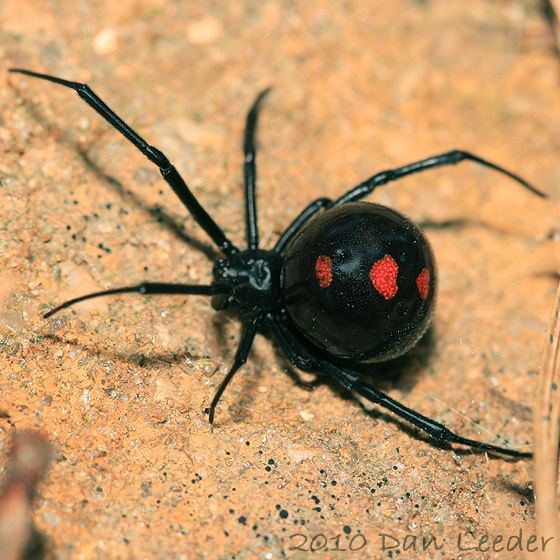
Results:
<point x="119" y="385"/>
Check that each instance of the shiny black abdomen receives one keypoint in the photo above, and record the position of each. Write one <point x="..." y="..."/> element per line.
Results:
<point x="359" y="282"/>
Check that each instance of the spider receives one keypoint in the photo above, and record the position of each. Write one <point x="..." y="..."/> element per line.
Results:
<point x="348" y="282"/>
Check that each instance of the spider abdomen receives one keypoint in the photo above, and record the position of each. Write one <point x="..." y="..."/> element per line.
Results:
<point x="359" y="282"/>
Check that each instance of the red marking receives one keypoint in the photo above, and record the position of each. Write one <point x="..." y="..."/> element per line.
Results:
<point x="323" y="271"/>
<point x="423" y="283"/>
<point x="383" y="276"/>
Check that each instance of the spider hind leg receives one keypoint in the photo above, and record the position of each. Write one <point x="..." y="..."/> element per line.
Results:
<point x="351" y="380"/>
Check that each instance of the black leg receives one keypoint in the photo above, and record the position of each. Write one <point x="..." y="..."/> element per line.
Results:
<point x="147" y="288"/>
<point x="448" y="158"/>
<point x="307" y="213"/>
<point x="240" y="358"/>
<point x="167" y="170"/>
<point x="293" y="351"/>
<point x="437" y="431"/>
<point x="351" y="380"/>
<point x="250" y="172"/>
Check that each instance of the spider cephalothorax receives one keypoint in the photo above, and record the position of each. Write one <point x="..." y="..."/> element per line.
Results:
<point x="346" y="282"/>
<point x="254" y="280"/>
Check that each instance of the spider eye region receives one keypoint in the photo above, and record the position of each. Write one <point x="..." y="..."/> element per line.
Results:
<point x="359" y="282"/>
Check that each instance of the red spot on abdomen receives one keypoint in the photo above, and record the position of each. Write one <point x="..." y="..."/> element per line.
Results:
<point x="423" y="283"/>
<point x="383" y="276"/>
<point x="323" y="271"/>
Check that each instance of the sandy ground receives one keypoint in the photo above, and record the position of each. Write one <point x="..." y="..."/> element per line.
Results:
<point x="119" y="385"/>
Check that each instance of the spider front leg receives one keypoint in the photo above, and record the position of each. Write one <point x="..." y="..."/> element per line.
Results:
<point x="148" y="288"/>
<point x="167" y="170"/>
<point x="351" y="380"/>
<point x="250" y="172"/>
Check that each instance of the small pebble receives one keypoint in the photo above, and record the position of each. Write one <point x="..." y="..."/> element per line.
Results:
<point x="204" y="31"/>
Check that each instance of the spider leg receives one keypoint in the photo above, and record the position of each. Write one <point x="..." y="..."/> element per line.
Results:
<point x="351" y="380"/>
<point x="147" y="288"/>
<point x="167" y="170"/>
<point x="250" y="171"/>
<point x="294" y="351"/>
<point x="448" y="158"/>
<point x="306" y="214"/>
<point x="240" y="358"/>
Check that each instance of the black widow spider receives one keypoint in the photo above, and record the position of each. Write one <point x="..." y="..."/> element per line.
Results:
<point x="355" y="283"/>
